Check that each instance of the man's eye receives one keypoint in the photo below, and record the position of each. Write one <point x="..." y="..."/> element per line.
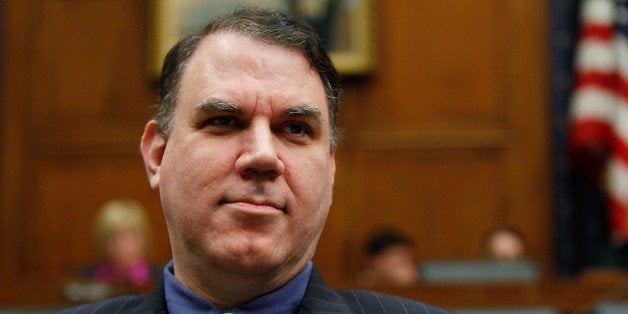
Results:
<point x="298" y="129"/>
<point x="221" y="121"/>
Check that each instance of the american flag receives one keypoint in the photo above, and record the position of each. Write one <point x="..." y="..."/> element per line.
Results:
<point x="598" y="135"/>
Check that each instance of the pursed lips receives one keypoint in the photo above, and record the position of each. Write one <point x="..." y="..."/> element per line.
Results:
<point x="255" y="204"/>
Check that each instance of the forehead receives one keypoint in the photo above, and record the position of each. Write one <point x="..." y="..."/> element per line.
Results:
<point x="224" y="53"/>
<point x="226" y="61"/>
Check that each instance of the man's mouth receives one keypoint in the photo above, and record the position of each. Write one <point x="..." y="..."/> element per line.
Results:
<point x="255" y="204"/>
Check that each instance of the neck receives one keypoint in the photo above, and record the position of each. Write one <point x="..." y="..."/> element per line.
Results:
<point x="227" y="289"/>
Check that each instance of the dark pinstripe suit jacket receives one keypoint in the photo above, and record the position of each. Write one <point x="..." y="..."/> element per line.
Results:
<point x="319" y="298"/>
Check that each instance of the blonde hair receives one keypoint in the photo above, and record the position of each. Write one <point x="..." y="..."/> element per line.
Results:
<point x="119" y="214"/>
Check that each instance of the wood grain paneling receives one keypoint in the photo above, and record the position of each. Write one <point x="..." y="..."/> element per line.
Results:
<point x="444" y="200"/>
<point x="69" y="195"/>
<point x="449" y="136"/>
<point x="75" y="96"/>
<point x="89" y="67"/>
<point x="441" y="65"/>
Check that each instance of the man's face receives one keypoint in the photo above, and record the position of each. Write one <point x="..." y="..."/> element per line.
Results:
<point x="246" y="174"/>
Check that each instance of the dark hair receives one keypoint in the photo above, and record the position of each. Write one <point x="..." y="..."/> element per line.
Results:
<point x="272" y="27"/>
<point x="383" y="239"/>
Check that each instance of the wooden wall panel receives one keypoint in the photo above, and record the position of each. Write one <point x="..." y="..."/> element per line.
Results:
<point x="12" y="162"/>
<point x="69" y="195"/>
<point x="89" y="66"/>
<point x="444" y="200"/>
<point x="471" y="95"/>
<point x="440" y="65"/>
<point x="75" y="97"/>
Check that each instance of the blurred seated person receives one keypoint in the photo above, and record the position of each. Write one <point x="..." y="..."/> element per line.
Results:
<point x="390" y="260"/>
<point x="122" y="237"/>
<point x="504" y="260"/>
<point x="505" y="243"/>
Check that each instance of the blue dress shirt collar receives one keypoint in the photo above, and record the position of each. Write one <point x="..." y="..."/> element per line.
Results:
<point x="286" y="299"/>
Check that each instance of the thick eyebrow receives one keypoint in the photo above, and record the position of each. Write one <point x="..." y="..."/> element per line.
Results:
<point x="217" y="105"/>
<point x="304" y="111"/>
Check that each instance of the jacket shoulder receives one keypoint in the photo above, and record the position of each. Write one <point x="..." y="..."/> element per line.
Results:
<point x="123" y="304"/>
<point x="363" y="301"/>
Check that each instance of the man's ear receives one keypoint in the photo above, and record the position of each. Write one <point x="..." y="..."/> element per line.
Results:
<point x="153" y="146"/>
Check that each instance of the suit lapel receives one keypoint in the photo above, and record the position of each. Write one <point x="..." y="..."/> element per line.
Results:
<point x="154" y="302"/>
<point x="320" y="298"/>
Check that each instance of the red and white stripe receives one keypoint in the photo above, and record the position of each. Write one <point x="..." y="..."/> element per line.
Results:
<point x="599" y="105"/>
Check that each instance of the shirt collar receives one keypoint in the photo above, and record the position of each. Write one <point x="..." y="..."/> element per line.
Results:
<point x="286" y="299"/>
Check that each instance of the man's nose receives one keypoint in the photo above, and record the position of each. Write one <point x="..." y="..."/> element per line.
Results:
<point x="259" y="157"/>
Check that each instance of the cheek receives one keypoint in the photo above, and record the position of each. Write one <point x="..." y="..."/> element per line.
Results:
<point x="196" y="163"/>
<point x="192" y="178"/>
<point x="309" y="177"/>
<point x="312" y="185"/>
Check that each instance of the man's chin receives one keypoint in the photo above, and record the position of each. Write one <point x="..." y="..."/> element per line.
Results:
<point x="263" y="269"/>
